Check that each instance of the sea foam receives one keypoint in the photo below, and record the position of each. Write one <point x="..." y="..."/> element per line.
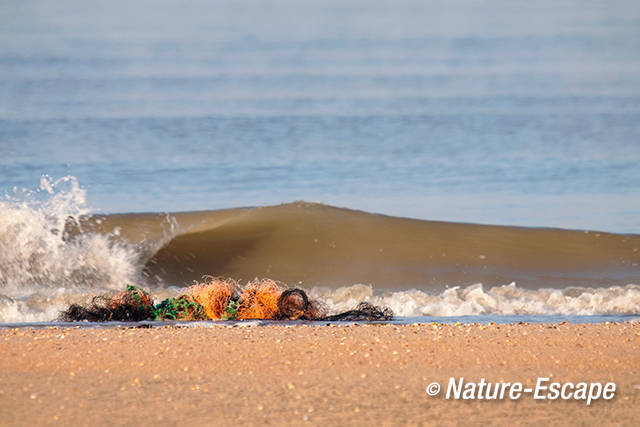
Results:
<point x="498" y="300"/>
<point x="40" y="261"/>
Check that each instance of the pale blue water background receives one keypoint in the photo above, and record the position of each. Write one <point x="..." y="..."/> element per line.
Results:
<point x="501" y="112"/>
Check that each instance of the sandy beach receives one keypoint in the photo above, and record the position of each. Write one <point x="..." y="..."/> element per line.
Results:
<point x="329" y="375"/>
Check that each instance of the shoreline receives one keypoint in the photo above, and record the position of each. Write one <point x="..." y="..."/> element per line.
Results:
<point x="466" y="320"/>
<point x="291" y="374"/>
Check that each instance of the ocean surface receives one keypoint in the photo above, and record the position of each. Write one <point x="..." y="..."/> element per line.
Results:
<point x="156" y="125"/>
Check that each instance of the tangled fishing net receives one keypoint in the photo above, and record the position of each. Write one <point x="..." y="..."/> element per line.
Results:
<point x="219" y="299"/>
<point x="132" y="304"/>
<point x="214" y="295"/>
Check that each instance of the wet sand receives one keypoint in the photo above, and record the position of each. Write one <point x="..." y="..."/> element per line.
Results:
<point x="329" y="375"/>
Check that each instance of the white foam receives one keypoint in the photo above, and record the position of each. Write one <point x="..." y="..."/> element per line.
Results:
<point x="498" y="300"/>
<point x="15" y="311"/>
<point x="37" y="257"/>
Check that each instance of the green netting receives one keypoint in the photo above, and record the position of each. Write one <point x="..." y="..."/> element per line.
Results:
<point x="183" y="307"/>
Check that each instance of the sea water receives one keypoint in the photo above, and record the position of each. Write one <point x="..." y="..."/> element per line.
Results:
<point x="502" y="112"/>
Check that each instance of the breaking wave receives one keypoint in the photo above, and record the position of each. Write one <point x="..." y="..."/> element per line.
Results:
<point x="37" y="250"/>
<point x="54" y="251"/>
<point x="43" y="264"/>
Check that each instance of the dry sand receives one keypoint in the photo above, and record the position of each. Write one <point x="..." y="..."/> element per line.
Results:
<point x="329" y="375"/>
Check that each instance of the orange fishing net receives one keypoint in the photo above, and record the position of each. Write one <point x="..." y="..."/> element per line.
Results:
<point x="214" y="295"/>
<point x="259" y="300"/>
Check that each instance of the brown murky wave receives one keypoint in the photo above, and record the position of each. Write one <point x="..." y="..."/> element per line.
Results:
<point x="319" y="245"/>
